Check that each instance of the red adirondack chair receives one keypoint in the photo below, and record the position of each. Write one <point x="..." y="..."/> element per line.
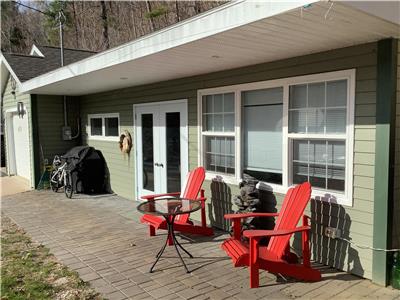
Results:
<point x="276" y="257"/>
<point x="192" y="187"/>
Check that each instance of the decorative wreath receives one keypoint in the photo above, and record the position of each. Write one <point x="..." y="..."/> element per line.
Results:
<point x="125" y="142"/>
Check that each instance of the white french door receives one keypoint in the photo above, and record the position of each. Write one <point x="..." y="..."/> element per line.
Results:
<point x="161" y="147"/>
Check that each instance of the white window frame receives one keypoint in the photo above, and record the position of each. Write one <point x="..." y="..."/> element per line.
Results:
<point x="102" y="137"/>
<point x="345" y="198"/>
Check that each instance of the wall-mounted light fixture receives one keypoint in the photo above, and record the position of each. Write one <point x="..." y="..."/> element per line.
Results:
<point x="20" y="109"/>
<point x="13" y="84"/>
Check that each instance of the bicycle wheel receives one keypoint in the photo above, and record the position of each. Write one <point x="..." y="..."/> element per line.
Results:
<point x="54" y="180"/>
<point x="68" y="185"/>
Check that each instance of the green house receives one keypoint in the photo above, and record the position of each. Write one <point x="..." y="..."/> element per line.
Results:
<point x="285" y="92"/>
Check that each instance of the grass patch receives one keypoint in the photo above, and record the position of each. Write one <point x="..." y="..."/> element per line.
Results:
<point x="29" y="271"/>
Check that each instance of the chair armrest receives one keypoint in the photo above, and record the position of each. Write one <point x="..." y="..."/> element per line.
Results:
<point x="250" y="215"/>
<point x="151" y="197"/>
<point x="262" y="233"/>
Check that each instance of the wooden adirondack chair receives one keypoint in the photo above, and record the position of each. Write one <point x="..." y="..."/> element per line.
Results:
<point x="192" y="187"/>
<point x="276" y="257"/>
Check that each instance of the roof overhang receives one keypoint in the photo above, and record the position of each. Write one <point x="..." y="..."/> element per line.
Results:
<point x="237" y="34"/>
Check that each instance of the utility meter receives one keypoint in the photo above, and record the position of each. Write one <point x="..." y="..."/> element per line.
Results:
<point x="66" y="133"/>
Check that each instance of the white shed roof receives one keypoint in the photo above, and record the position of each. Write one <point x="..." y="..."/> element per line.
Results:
<point x="237" y="34"/>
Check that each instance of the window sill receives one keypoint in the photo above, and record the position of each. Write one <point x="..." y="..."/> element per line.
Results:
<point x="104" y="138"/>
<point x="321" y="195"/>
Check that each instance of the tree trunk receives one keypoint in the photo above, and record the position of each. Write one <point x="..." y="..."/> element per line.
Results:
<point x="106" y="40"/>
<point x="178" y="17"/>
<point x="148" y="6"/>
<point x="75" y="25"/>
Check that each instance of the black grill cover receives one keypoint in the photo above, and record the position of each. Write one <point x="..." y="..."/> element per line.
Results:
<point x="88" y="170"/>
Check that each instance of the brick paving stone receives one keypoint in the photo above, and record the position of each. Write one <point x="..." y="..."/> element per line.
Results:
<point x="188" y="293"/>
<point x="143" y="296"/>
<point x="106" y="289"/>
<point x="98" y="282"/>
<point x="133" y="290"/>
<point x="113" y="278"/>
<point x="118" y="284"/>
<point x="116" y="296"/>
<point x="94" y="236"/>
<point x="90" y="276"/>
<point x="160" y="292"/>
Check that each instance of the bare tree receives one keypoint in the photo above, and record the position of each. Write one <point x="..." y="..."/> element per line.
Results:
<point x="106" y="40"/>
<point x="92" y="25"/>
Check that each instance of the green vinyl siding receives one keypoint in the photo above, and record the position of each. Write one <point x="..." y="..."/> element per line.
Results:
<point x="10" y="103"/>
<point x="356" y="221"/>
<point x="50" y="111"/>
<point x="396" y="208"/>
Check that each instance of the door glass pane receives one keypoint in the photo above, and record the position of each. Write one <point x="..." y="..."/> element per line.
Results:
<point x="111" y="126"/>
<point x="173" y="152"/>
<point x="148" y="152"/>
<point x="96" y="126"/>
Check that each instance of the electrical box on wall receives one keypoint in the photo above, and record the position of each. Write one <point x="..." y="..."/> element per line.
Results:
<point x="66" y="133"/>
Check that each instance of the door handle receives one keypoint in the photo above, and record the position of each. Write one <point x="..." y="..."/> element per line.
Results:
<point x="159" y="165"/>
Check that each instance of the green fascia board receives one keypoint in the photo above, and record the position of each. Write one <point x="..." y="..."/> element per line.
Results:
<point x="384" y="156"/>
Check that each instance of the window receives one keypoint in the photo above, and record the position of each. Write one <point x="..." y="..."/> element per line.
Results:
<point x="218" y="131"/>
<point x="319" y="109"/>
<point x="282" y="132"/>
<point x="103" y="126"/>
<point x="262" y="112"/>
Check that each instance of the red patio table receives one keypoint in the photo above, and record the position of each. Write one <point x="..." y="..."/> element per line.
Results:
<point x="169" y="208"/>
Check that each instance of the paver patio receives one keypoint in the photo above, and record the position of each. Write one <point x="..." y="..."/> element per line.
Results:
<point x="102" y="239"/>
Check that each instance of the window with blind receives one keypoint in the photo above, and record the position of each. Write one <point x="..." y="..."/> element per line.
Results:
<point x="218" y="132"/>
<point x="317" y="127"/>
<point x="283" y="132"/>
<point x="262" y="112"/>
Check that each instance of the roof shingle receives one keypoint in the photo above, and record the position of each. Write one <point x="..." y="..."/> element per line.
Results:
<point x="29" y="66"/>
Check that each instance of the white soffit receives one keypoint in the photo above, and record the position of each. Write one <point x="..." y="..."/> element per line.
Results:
<point x="234" y="35"/>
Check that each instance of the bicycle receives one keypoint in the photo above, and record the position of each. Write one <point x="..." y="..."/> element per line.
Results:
<point x="61" y="177"/>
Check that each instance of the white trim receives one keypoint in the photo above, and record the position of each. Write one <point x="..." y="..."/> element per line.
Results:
<point x="185" y="137"/>
<point x="221" y="19"/>
<point x="10" y="144"/>
<point x="102" y="137"/>
<point x="341" y="198"/>
<point x="36" y="52"/>
<point x="3" y="60"/>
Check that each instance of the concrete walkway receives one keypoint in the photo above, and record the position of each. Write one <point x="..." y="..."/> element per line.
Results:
<point x="10" y="185"/>
<point x="101" y="238"/>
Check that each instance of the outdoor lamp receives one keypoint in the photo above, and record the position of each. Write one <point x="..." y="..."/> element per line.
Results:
<point x="20" y="109"/>
<point x="13" y="84"/>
